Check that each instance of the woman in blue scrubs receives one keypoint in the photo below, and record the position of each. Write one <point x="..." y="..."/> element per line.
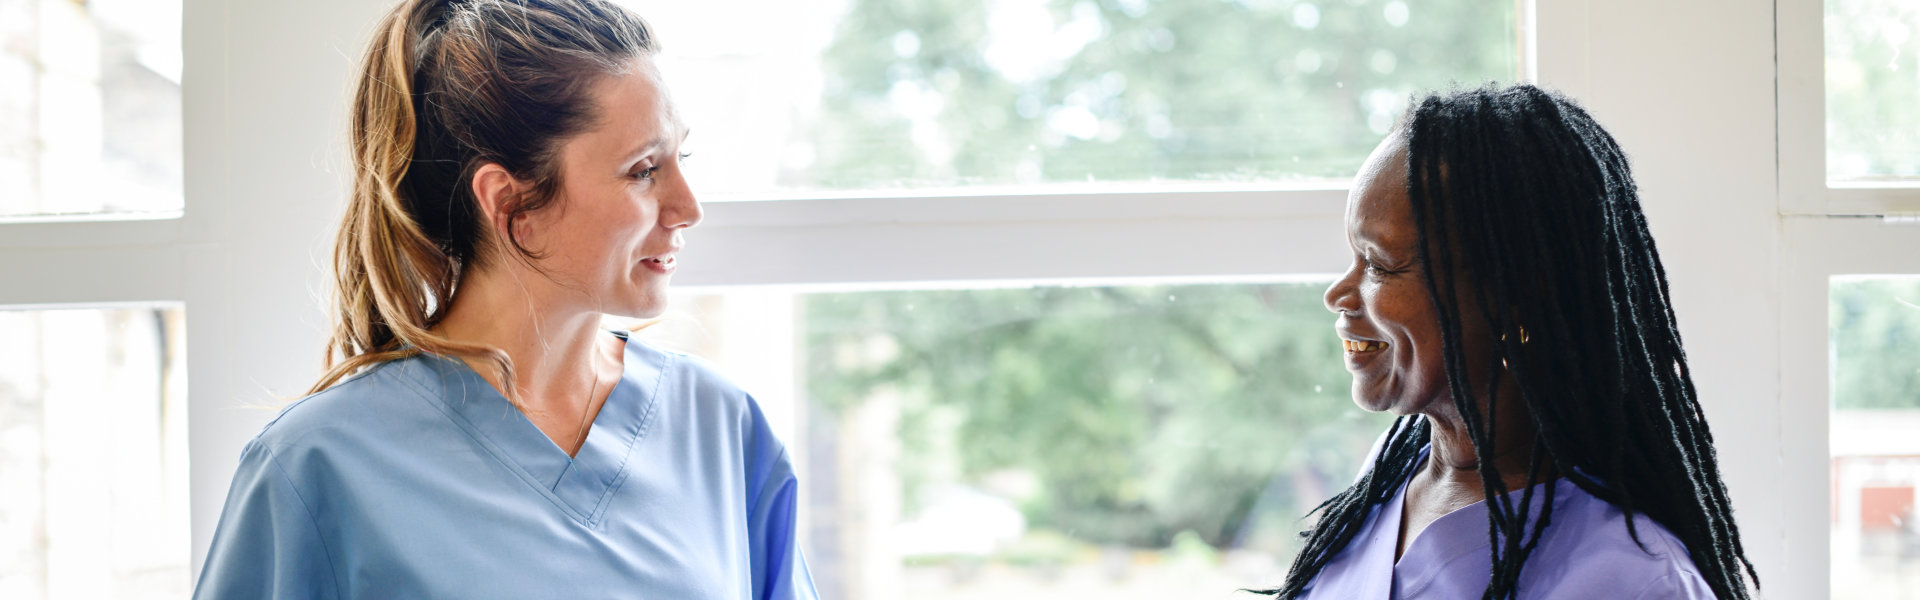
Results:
<point x="1506" y="300"/>
<point x="516" y="178"/>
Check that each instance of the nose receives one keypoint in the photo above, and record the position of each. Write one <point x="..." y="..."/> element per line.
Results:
<point x="679" y="209"/>
<point x="1340" y="297"/>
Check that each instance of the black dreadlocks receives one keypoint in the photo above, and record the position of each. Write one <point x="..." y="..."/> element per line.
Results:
<point x="1543" y="220"/>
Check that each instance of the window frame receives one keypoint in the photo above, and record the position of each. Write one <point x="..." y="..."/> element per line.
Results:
<point x="1802" y="98"/>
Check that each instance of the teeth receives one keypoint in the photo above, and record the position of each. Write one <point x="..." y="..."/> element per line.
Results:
<point x="1353" y="346"/>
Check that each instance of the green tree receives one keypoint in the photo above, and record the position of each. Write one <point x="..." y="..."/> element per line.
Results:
<point x="1141" y="411"/>
<point x="1875" y="325"/>
<point x="1873" y="89"/>
<point x="925" y="92"/>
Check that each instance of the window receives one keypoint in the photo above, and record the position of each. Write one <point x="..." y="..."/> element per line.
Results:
<point x="1873" y="76"/>
<point x="1875" y="325"/>
<point x="90" y="107"/>
<point x="1019" y="441"/>
<point x="870" y="97"/>
<point x="1034" y="306"/>
<point x="93" y="454"/>
<point x="1848" y="73"/>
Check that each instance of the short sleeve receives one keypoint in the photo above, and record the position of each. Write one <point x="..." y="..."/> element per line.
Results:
<point x="266" y="544"/>
<point x="779" y="570"/>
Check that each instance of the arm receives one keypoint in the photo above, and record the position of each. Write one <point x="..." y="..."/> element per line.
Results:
<point x="267" y="544"/>
<point x="779" y="571"/>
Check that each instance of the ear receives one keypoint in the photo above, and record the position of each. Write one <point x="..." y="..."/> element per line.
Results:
<point x="494" y="189"/>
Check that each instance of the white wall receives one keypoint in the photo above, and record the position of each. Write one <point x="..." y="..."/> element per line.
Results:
<point x="265" y="91"/>
<point x="1687" y="87"/>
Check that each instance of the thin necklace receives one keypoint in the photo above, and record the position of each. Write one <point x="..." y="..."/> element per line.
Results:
<point x="580" y="433"/>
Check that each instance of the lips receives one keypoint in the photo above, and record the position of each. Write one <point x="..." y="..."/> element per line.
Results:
<point x="662" y="263"/>
<point x="1355" y="343"/>
<point x="1358" y="346"/>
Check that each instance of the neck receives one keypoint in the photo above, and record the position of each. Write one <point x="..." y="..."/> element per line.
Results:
<point x="554" y="346"/>
<point x="1453" y="462"/>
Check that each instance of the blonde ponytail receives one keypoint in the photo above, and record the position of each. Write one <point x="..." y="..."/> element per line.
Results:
<point x="393" y="283"/>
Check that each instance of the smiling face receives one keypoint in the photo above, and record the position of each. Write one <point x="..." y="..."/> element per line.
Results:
<point x="610" y="238"/>
<point x="1386" y="318"/>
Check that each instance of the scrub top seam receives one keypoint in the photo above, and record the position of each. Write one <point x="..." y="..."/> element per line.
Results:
<point x="333" y="573"/>
<point x="494" y="449"/>
<point x="646" y="424"/>
<point x="303" y="400"/>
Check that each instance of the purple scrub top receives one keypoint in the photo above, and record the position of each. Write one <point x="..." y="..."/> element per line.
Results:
<point x="1584" y="553"/>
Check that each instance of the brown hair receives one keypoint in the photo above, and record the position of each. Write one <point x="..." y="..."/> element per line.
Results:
<point x="446" y="87"/>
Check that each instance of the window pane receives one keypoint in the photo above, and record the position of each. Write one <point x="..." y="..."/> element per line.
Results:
<point x="93" y="454"/>
<point x="815" y="98"/>
<point x="89" y="107"/>
<point x="1876" y="455"/>
<point x="1150" y="441"/>
<point x="1873" y="80"/>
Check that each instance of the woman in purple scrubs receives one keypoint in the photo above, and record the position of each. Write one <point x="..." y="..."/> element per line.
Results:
<point x="1506" y="300"/>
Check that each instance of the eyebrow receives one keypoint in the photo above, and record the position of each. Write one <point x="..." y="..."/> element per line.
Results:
<point x="650" y="146"/>
<point x="655" y="143"/>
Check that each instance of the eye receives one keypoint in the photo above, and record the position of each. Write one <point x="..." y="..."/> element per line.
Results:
<point x="1374" y="267"/>
<point x="646" y="173"/>
<point x="685" y="155"/>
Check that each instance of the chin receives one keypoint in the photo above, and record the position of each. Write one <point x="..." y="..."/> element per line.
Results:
<point x="1381" y="402"/>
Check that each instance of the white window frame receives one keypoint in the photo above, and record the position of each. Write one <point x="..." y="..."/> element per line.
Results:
<point x="1825" y="247"/>
<point x="1804" y="189"/>
<point x="264" y="101"/>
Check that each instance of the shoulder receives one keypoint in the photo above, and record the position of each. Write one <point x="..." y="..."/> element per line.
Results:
<point x="679" y="368"/>
<point x="1598" y="552"/>
<point x="382" y="397"/>
<point x="703" y="398"/>
<point x="678" y="377"/>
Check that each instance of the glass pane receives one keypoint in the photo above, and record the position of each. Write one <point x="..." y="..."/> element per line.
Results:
<point x="1873" y="79"/>
<point x="1875" y="325"/>
<point x="93" y="454"/>
<point x="89" y="107"/>
<point x="880" y="97"/>
<point x="1149" y="441"/>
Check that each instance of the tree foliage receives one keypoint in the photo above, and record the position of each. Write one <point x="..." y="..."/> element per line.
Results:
<point x="954" y="92"/>
<point x="1875" y="325"/>
<point x="1140" y="411"/>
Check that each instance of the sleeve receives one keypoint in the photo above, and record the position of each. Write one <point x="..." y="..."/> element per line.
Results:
<point x="779" y="570"/>
<point x="267" y="544"/>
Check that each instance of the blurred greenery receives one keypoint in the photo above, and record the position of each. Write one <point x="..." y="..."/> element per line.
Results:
<point x="1873" y="89"/>
<point x="957" y="92"/>
<point x="1875" y="326"/>
<point x="1133" y="413"/>
<point x="1136" y="412"/>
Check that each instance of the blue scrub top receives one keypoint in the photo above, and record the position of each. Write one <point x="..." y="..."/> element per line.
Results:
<point x="416" y="479"/>
<point x="1585" y="553"/>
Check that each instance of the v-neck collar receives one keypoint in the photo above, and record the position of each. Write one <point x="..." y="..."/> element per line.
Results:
<point x="1456" y="535"/>
<point x="579" y="485"/>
